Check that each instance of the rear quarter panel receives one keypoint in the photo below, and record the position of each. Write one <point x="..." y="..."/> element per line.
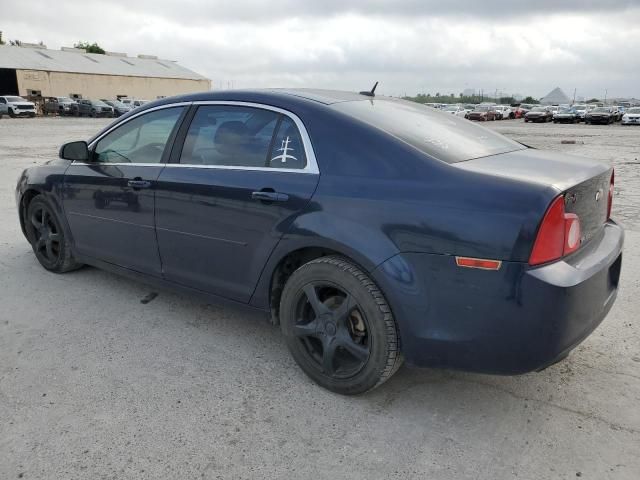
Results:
<point x="377" y="196"/>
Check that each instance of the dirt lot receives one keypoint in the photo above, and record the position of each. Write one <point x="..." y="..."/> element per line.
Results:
<point x="94" y="384"/>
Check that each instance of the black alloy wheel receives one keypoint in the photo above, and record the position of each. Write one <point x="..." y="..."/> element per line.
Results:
<point x="338" y="326"/>
<point x="332" y="329"/>
<point x="47" y="238"/>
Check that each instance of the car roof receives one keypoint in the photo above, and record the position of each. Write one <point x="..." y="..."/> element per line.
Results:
<point x="274" y="96"/>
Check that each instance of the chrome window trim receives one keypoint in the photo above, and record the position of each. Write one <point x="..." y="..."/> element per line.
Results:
<point x="310" y="168"/>
<point x="119" y="124"/>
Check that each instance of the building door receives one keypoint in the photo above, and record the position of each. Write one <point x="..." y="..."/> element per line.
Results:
<point x="8" y="82"/>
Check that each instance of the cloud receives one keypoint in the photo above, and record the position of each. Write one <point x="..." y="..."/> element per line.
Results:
<point x="413" y="46"/>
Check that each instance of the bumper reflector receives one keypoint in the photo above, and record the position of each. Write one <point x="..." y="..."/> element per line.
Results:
<point x="481" y="263"/>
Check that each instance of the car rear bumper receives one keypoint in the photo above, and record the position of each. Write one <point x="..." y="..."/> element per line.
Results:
<point x="514" y="320"/>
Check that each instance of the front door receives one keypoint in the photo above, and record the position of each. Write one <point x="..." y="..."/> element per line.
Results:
<point x="109" y="201"/>
<point x="238" y="181"/>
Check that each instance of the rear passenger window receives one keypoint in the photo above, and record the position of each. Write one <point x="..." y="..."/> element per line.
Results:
<point x="243" y="137"/>
<point x="229" y="136"/>
<point x="288" y="151"/>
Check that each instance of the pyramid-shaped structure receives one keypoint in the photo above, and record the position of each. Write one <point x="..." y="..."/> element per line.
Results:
<point x="555" y="97"/>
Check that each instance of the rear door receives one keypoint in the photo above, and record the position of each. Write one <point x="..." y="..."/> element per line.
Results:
<point x="109" y="201"/>
<point x="236" y="180"/>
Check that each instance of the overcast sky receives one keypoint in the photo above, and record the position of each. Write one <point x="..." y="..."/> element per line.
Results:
<point x="446" y="46"/>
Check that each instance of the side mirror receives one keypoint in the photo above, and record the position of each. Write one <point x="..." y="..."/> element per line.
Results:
<point x="78" y="151"/>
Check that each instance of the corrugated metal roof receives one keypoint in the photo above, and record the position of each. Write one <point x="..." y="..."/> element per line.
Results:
<point x="22" y="58"/>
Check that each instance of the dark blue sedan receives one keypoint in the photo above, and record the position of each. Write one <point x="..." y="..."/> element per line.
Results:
<point x="371" y="229"/>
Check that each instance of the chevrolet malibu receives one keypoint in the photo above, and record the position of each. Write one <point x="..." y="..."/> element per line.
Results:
<point x="372" y="230"/>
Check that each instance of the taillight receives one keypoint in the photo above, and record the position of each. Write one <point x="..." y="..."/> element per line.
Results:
<point x="559" y="234"/>
<point x="610" y="198"/>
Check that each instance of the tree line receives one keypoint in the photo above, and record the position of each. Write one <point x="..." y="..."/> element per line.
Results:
<point x="453" y="98"/>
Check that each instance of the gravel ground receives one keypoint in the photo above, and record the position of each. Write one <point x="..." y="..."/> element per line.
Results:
<point x="94" y="384"/>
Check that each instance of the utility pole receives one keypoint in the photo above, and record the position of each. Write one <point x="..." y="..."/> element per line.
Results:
<point x="605" y="95"/>
<point x="574" y="96"/>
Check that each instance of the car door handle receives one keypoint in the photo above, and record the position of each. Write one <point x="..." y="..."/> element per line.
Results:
<point x="266" y="196"/>
<point x="136" y="183"/>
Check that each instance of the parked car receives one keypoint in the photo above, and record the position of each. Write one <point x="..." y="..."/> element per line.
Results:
<point x="119" y="108"/>
<point x="600" y="115"/>
<point x="631" y="116"/>
<point x="94" y="108"/>
<point x="505" y="112"/>
<point x="618" y="111"/>
<point x="483" y="113"/>
<point x="538" y="114"/>
<point x="479" y="253"/>
<point x="133" y="103"/>
<point x="456" y="110"/>
<point x="553" y="109"/>
<point x="4" y="109"/>
<point x="520" y="110"/>
<point x="18" y="106"/>
<point x="565" y="115"/>
<point x="60" y="105"/>
<point x="581" y="111"/>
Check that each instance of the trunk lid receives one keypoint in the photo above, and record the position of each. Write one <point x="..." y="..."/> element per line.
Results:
<point x="584" y="182"/>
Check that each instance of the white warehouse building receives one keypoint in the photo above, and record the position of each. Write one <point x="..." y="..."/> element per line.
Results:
<point x="36" y="70"/>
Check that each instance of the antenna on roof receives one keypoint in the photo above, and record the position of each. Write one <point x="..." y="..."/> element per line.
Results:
<point x="372" y="93"/>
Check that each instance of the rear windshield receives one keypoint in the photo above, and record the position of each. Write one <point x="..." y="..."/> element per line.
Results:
<point x="446" y="137"/>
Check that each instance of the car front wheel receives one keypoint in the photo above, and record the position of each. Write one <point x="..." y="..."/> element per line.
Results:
<point x="47" y="238"/>
<point x="339" y="327"/>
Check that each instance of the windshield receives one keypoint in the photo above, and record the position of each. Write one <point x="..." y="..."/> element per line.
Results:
<point x="601" y="109"/>
<point x="538" y="109"/>
<point x="566" y="110"/>
<point x="15" y="99"/>
<point x="99" y="103"/>
<point x="451" y="109"/>
<point x="65" y="100"/>
<point x="634" y="110"/>
<point x="446" y="137"/>
<point x="482" y="109"/>
<point x="580" y="107"/>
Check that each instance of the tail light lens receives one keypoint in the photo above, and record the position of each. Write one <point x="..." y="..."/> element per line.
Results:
<point x="610" y="198"/>
<point x="559" y="234"/>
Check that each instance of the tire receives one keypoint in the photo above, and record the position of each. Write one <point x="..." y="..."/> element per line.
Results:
<point x="47" y="237"/>
<point x="12" y="113"/>
<point x="362" y="338"/>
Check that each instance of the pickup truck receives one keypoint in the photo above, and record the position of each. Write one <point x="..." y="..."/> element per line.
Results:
<point x="60" y="105"/>
<point x="18" y="106"/>
<point x="94" y="108"/>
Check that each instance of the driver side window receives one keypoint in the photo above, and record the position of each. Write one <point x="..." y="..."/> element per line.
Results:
<point x="141" y="140"/>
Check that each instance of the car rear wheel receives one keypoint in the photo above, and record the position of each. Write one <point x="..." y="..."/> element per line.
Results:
<point x="339" y="327"/>
<point x="47" y="238"/>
